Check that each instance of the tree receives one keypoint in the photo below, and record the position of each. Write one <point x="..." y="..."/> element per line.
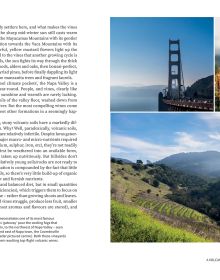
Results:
<point x="151" y="171"/>
<point x="148" y="190"/>
<point x="156" y="183"/>
<point x="138" y="165"/>
<point x="146" y="180"/>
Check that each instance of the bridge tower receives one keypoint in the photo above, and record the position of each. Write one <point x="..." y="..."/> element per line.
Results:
<point x="175" y="74"/>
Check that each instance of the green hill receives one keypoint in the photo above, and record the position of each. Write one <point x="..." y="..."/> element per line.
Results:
<point x="198" y="163"/>
<point x="203" y="88"/>
<point x="129" y="224"/>
<point x="148" y="187"/>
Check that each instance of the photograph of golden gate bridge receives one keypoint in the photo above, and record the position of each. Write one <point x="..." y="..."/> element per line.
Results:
<point x="162" y="64"/>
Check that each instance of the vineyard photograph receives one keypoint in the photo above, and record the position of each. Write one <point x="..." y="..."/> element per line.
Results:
<point x="165" y="182"/>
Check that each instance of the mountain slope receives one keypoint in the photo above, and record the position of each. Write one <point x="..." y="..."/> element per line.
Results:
<point x="199" y="163"/>
<point x="129" y="224"/>
<point x="120" y="160"/>
<point x="148" y="188"/>
<point x="202" y="88"/>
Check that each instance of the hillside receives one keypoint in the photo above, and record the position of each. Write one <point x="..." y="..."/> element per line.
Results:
<point x="150" y="188"/>
<point x="199" y="163"/>
<point x="129" y="224"/>
<point x="202" y="88"/>
<point x="121" y="160"/>
<point x="217" y="60"/>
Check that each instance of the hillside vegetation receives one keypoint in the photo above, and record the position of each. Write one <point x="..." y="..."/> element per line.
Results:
<point x="129" y="224"/>
<point x="150" y="188"/>
<point x="203" y="88"/>
<point x="205" y="164"/>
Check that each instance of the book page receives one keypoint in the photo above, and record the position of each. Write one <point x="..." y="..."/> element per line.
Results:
<point x="96" y="99"/>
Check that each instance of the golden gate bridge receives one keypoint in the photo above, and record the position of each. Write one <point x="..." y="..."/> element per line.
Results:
<point x="173" y="98"/>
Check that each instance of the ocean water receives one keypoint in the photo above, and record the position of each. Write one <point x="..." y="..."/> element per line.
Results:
<point x="135" y="98"/>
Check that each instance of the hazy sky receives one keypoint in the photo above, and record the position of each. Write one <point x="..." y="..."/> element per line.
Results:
<point x="154" y="136"/>
<point x="139" y="49"/>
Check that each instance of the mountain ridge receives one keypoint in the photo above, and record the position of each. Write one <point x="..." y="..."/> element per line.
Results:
<point x="205" y="163"/>
<point x="202" y="88"/>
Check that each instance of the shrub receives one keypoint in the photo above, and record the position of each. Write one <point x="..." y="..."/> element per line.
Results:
<point x="113" y="192"/>
<point x="146" y="180"/>
<point x="156" y="183"/>
<point x="151" y="171"/>
<point x="138" y="167"/>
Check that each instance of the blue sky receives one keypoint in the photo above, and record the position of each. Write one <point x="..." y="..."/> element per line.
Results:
<point x="139" y="49"/>
<point x="154" y="136"/>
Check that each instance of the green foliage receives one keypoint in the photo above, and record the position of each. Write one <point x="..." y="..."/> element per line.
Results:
<point x="137" y="186"/>
<point x="176" y="179"/>
<point x="151" y="172"/>
<point x="150" y="164"/>
<point x="138" y="165"/>
<point x="205" y="200"/>
<point x="156" y="183"/>
<point x="204" y="164"/>
<point x="125" y="177"/>
<point x="146" y="180"/>
<point x="171" y="209"/>
<point x="118" y="161"/>
<point x="129" y="224"/>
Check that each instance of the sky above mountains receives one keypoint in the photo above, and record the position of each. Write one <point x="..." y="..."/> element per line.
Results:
<point x="139" y="49"/>
<point x="153" y="136"/>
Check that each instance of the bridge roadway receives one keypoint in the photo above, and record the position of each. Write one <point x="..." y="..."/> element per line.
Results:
<point x="186" y="105"/>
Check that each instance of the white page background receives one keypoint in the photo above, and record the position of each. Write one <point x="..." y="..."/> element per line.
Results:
<point x="87" y="252"/>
